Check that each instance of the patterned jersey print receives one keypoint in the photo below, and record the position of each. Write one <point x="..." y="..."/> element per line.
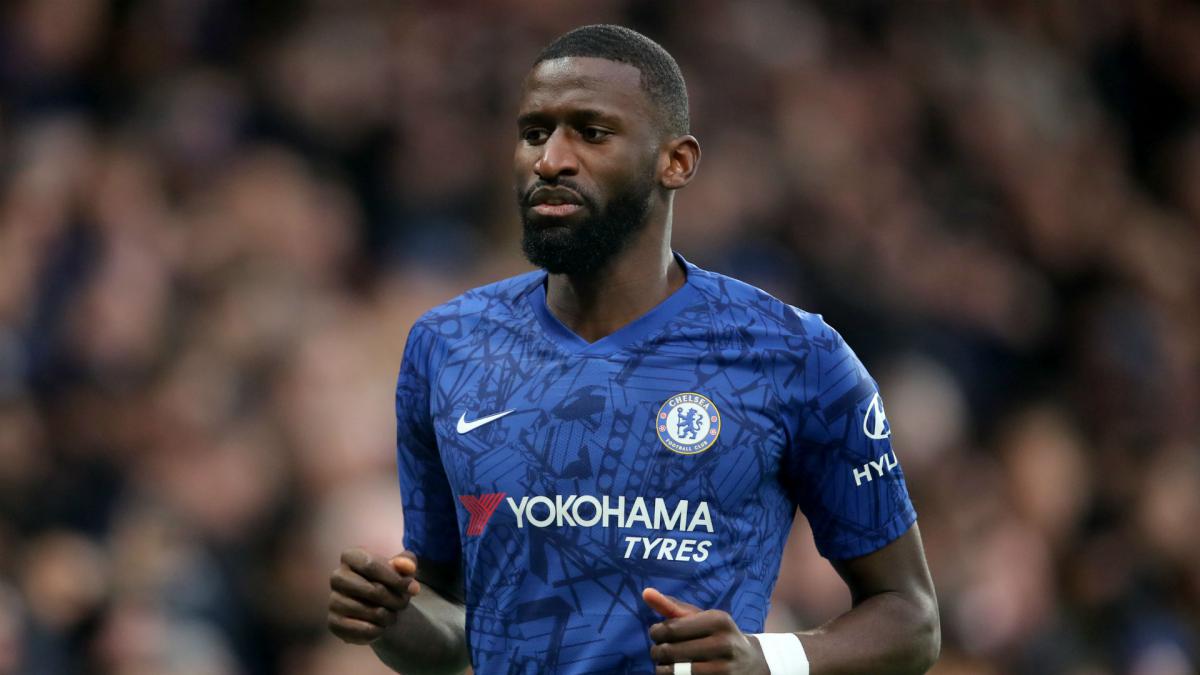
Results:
<point x="566" y="476"/>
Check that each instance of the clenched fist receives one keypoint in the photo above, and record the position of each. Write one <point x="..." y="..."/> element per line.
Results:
<point x="368" y="592"/>
<point x="708" y="641"/>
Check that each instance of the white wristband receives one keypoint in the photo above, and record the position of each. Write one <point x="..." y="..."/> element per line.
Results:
<point x="783" y="653"/>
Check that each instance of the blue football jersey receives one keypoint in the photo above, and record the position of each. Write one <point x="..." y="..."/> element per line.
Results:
<point x="566" y="476"/>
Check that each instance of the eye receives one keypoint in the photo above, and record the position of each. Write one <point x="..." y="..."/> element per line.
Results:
<point x="594" y="134"/>
<point x="534" y="135"/>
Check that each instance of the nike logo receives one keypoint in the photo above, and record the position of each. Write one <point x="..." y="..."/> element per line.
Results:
<point x="464" y="426"/>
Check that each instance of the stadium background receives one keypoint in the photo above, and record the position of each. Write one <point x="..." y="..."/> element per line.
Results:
<point x="219" y="218"/>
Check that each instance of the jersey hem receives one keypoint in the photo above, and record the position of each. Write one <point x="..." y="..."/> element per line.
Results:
<point x="899" y="524"/>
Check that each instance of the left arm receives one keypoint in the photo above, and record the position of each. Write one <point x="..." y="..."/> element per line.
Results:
<point x="840" y="470"/>
<point x="893" y="626"/>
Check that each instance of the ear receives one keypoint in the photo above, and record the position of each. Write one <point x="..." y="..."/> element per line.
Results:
<point x="682" y="157"/>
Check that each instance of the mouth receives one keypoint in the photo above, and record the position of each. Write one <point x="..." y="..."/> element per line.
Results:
<point x="556" y="210"/>
<point x="555" y="202"/>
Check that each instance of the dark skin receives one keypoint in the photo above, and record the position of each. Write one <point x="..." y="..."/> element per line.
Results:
<point x="411" y="613"/>
<point x="892" y="626"/>
<point x="587" y="122"/>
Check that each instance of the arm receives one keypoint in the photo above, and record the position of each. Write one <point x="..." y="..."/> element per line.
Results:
<point x="429" y="638"/>
<point x="413" y="620"/>
<point x="845" y="476"/>
<point x="410" y="610"/>
<point x="893" y="626"/>
<point x="840" y="470"/>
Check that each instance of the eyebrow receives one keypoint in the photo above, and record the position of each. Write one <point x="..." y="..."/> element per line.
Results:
<point x="583" y="115"/>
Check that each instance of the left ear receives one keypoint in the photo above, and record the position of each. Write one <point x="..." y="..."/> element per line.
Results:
<point x="682" y="157"/>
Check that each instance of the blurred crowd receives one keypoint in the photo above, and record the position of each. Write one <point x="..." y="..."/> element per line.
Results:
<point x="219" y="218"/>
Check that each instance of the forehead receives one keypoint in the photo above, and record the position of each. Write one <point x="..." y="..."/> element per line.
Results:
<point x="578" y="81"/>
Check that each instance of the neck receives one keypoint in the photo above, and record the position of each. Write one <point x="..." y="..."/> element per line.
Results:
<point x="633" y="283"/>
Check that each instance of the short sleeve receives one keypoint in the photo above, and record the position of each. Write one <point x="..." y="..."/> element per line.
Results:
<point x="430" y="520"/>
<point x="841" y="470"/>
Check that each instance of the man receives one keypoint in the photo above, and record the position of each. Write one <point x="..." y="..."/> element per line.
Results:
<point x="600" y="462"/>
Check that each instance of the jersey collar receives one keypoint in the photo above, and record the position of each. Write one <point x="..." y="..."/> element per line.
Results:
<point x="634" y="331"/>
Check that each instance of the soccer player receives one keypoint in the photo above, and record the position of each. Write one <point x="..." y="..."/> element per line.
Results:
<point x="600" y="461"/>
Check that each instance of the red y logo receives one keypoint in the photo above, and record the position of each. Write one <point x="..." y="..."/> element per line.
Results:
<point x="481" y="509"/>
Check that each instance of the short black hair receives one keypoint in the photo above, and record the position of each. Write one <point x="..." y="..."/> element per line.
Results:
<point x="661" y="78"/>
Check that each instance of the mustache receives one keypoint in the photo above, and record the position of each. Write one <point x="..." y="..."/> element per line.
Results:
<point x="526" y="195"/>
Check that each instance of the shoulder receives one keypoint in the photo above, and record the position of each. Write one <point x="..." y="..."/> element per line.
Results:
<point x="772" y="322"/>
<point x="478" y="308"/>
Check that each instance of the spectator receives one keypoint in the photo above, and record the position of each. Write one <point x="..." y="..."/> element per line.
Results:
<point x="218" y="221"/>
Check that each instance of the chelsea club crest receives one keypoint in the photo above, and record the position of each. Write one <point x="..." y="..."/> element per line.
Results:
<point x="688" y="423"/>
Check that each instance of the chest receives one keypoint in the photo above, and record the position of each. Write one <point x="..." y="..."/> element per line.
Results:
<point x="687" y="425"/>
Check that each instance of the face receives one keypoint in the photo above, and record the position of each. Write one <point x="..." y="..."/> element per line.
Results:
<point x="586" y="162"/>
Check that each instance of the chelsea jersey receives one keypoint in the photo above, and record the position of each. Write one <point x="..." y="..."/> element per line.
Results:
<point x="565" y="476"/>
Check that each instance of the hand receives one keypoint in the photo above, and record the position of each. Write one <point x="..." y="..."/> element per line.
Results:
<point x="709" y="640"/>
<point x="368" y="592"/>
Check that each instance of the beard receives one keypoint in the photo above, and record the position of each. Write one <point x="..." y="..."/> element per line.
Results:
<point x="587" y="245"/>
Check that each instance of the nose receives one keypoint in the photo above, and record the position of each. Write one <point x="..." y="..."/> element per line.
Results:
<point x="557" y="158"/>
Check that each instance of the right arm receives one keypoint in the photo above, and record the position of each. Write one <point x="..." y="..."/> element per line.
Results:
<point x="395" y="608"/>
<point x="420" y="622"/>
<point x="410" y="608"/>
